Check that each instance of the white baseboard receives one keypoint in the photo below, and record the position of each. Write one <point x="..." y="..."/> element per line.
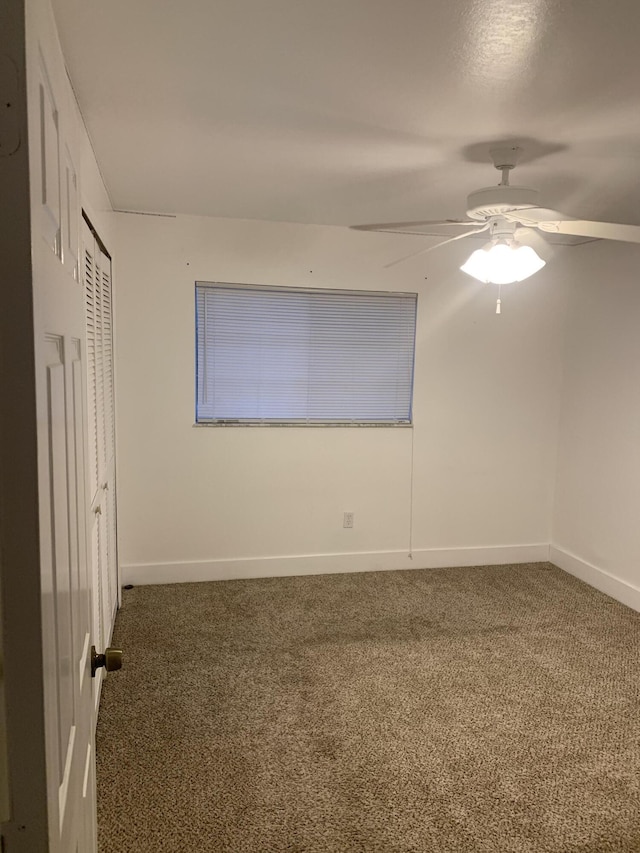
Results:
<point x="318" y="564"/>
<point x="617" y="588"/>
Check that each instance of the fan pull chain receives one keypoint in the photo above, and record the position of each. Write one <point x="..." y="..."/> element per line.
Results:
<point x="499" y="302"/>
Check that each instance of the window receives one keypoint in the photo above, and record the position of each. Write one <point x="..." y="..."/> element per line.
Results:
<point x="278" y="355"/>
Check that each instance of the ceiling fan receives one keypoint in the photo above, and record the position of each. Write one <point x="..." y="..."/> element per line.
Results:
<point x="512" y="220"/>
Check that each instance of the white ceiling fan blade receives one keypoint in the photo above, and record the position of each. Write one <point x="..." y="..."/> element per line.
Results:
<point x="413" y="227"/>
<point x="534" y="217"/>
<point x="484" y="227"/>
<point x="596" y="230"/>
<point x="554" y="222"/>
<point x="527" y="233"/>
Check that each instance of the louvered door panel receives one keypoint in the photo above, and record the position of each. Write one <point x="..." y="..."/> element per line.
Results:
<point x="102" y="434"/>
<point x="102" y="462"/>
<point x="111" y="592"/>
<point x="92" y="343"/>
<point x="107" y="351"/>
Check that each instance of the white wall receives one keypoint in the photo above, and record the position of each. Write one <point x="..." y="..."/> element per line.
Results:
<point x="596" y="532"/>
<point x="197" y="503"/>
<point x="94" y="196"/>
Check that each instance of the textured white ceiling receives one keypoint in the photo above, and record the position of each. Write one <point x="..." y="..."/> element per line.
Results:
<point x="352" y="111"/>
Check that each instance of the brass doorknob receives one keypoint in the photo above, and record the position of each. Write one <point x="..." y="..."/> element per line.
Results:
<point x="110" y="660"/>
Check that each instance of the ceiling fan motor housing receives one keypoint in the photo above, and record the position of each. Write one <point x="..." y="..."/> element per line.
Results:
<point x="495" y="201"/>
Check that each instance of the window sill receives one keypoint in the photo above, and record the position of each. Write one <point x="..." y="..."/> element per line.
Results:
<point x="288" y="425"/>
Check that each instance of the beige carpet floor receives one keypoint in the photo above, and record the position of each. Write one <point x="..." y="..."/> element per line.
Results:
<point x="475" y="709"/>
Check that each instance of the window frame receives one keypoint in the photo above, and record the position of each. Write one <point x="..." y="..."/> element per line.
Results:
<point x="306" y="422"/>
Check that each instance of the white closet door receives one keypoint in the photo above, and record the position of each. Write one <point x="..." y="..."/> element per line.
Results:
<point x="97" y="272"/>
<point x="108" y="483"/>
<point x="93" y="333"/>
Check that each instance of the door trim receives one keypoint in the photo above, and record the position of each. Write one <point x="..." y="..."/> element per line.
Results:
<point x="27" y="827"/>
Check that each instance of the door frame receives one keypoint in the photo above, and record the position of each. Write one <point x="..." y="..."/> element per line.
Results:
<point x="27" y="826"/>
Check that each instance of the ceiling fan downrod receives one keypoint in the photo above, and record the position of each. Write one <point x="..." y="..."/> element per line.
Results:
<point x="505" y="159"/>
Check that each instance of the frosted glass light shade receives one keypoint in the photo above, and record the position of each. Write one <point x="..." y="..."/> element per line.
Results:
<point x="500" y="263"/>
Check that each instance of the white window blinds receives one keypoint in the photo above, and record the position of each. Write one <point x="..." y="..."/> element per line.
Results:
<point x="283" y="355"/>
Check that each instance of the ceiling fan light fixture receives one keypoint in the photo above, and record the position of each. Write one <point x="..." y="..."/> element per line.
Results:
<point x="503" y="263"/>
